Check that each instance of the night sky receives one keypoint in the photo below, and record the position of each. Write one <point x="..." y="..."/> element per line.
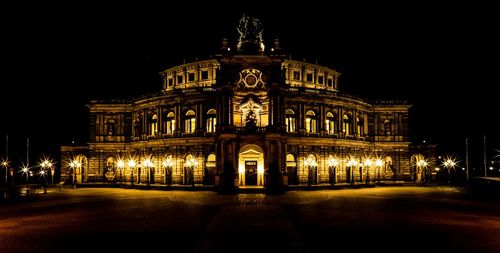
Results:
<point x="442" y="59"/>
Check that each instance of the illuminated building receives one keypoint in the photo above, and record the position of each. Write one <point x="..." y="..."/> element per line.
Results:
<point x="248" y="116"/>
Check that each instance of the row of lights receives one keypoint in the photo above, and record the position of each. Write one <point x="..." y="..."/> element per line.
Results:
<point x="352" y="162"/>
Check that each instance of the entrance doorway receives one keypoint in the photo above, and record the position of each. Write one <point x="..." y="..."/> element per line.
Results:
<point x="251" y="166"/>
<point x="251" y="172"/>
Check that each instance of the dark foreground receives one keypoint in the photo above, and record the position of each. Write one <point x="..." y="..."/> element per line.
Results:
<point x="391" y="219"/>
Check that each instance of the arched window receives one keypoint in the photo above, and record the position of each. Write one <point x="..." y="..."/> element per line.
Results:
<point x="387" y="127"/>
<point x="190" y="122"/>
<point x="330" y="123"/>
<point x="170" y="123"/>
<point x="153" y="124"/>
<point x="290" y="160"/>
<point x="211" y="120"/>
<point x="346" y="127"/>
<point x="290" y="121"/>
<point x="110" y="127"/>
<point x="311" y="122"/>
<point x="360" y="125"/>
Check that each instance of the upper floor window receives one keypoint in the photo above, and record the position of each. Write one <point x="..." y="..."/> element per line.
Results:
<point x="330" y="82"/>
<point x="321" y="79"/>
<point x="346" y="125"/>
<point x="360" y="125"/>
<point x="110" y="127"/>
<point x="153" y="124"/>
<point x="309" y="77"/>
<point x="204" y="75"/>
<point x="290" y="120"/>
<point x="387" y="127"/>
<point x="211" y="120"/>
<point x="170" y="82"/>
<point x="180" y="79"/>
<point x="311" y="122"/>
<point x="330" y="123"/>
<point x="170" y="123"/>
<point x="296" y="75"/>
<point x="190" y="77"/>
<point x="190" y="122"/>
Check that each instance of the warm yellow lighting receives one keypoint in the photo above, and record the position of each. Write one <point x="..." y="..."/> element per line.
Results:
<point x="310" y="162"/>
<point x="120" y="164"/>
<point x="148" y="163"/>
<point x="333" y="162"/>
<point x="4" y="163"/>
<point x="167" y="162"/>
<point x="449" y="163"/>
<point x="368" y="162"/>
<point x="352" y="162"/>
<point x="422" y="163"/>
<point x="131" y="163"/>
<point x="379" y="163"/>
<point x="436" y="169"/>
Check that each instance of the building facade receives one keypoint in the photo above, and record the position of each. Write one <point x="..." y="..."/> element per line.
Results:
<point x="247" y="117"/>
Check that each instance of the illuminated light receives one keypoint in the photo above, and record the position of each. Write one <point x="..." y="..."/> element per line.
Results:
<point x="463" y="168"/>
<point x="422" y="163"/>
<point x="333" y="162"/>
<point x="379" y="163"/>
<point x="352" y="162"/>
<point x="120" y="164"/>
<point x="436" y="169"/>
<point x="491" y="168"/>
<point x="260" y="169"/>
<point x="368" y="162"/>
<point x="272" y="49"/>
<point x="167" y="162"/>
<point x="131" y="163"/>
<point x="241" y="170"/>
<point x="42" y="172"/>
<point x="148" y="163"/>
<point x="228" y="49"/>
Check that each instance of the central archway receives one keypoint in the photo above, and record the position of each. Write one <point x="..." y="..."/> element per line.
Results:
<point x="251" y="166"/>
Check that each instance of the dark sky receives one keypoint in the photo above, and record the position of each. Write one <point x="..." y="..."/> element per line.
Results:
<point x="442" y="59"/>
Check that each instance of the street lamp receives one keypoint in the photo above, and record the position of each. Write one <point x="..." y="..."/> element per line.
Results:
<point x="131" y="166"/>
<point x="121" y="165"/>
<point x="25" y="169"/>
<point x="191" y="163"/>
<point x="74" y="165"/>
<point x="148" y="165"/>
<point x="368" y="164"/>
<point x="378" y="163"/>
<point x="423" y="168"/>
<point x="333" y="163"/>
<point x="167" y="164"/>
<point x="352" y="164"/>
<point x="5" y="165"/>
<point x="449" y="164"/>
<point x="310" y="163"/>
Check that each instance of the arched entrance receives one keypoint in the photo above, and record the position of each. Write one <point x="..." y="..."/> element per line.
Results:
<point x="251" y="166"/>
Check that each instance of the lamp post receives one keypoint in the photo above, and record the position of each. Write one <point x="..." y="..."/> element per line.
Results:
<point x="167" y="164"/>
<point x="310" y="163"/>
<point x="333" y="163"/>
<point x="148" y="165"/>
<point x="5" y="165"/>
<point x="191" y="163"/>
<point x="46" y="164"/>
<point x="74" y="165"/>
<point x="25" y="169"/>
<point x="352" y="164"/>
<point x="378" y="163"/>
<point x="368" y="164"/>
<point x="131" y="166"/>
<point x="121" y="165"/>
<point x="422" y="164"/>
<point x="449" y="164"/>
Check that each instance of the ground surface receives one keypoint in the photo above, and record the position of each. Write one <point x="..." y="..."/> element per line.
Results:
<point x="389" y="219"/>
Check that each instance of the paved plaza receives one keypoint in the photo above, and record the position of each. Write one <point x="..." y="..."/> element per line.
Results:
<point x="390" y="219"/>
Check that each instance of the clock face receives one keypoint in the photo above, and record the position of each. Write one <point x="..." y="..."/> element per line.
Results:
<point x="250" y="78"/>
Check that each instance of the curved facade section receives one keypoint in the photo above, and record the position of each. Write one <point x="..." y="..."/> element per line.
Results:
<point x="238" y="120"/>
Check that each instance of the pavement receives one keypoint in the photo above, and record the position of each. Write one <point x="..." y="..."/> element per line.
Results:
<point x="389" y="219"/>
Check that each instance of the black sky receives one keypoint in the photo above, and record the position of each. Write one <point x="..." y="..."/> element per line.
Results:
<point x="442" y="59"/>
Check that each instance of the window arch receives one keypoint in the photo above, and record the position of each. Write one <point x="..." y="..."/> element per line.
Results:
<point x="211" y="120"/>
<point x="290" y="160"/>
<point x="110" y="127"/>
<point x="360" y="125"/>
<point x="290" y="120"/>
<point x="346" y="127"/>
<point x="387" y="127"/>
<point x="170" y="123"/>
<point x="311" y="122"/>
<point x="190" y="122"/>
<point x="153" y="124"/>
<point x="330" y="123"/>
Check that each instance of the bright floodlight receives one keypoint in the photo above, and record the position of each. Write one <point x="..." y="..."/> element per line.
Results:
<point x="120" y="164"/>
<point x="379" y="163"/>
